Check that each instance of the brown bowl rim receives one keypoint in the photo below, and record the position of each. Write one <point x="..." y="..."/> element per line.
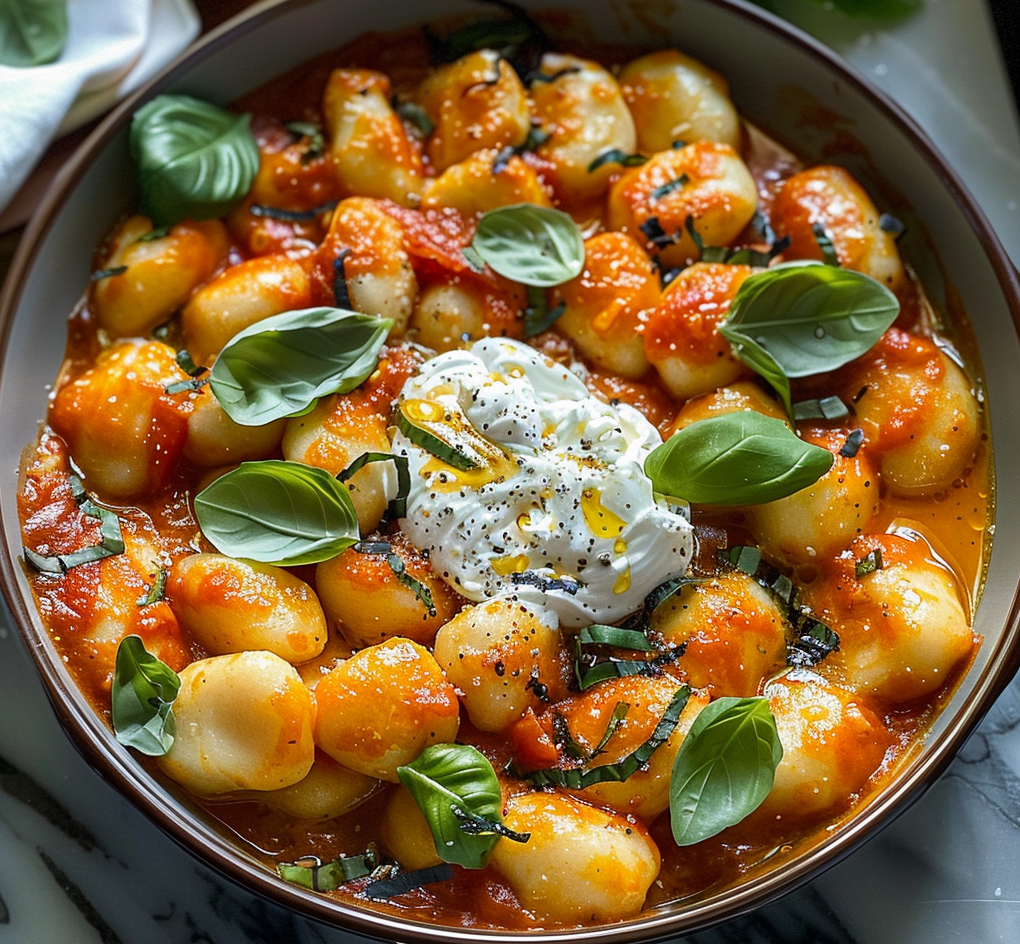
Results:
<point x="95" y="742"/>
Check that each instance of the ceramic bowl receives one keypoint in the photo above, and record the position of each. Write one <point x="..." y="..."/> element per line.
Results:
<point x="782" y="81"/>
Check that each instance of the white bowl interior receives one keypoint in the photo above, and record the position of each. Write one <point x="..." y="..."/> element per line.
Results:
<point x="776" y="82"/>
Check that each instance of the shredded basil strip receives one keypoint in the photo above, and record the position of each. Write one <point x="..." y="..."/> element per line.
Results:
<point x="724" y="769"/>
<point x="620" y="637"/>
<point x="291" y="216"/>
<point x="538" y="316"/>
<point x="655" y="234"/>
<point x="316" y="141"/>
<point x="890" y="224"/>
<point x="155" y="592"/>
<point x="193" y="159"/>
<point x="814" y="641"/>
<point x="329" y="876"/>
<point x="531" y="244"/>
<point x="591" y="673"/>
<point x="827" y="408"/>
<point x="186" y="386"/>
<point x="111" y="540"/>
<point x="420" y="590"/>
<point x="445" y="777"/>
<point x="101" y="274"/>
<point x="666" y="189"/>
<point x="142" y="697"/>
<point x="398" y="507"/>
<point x="619" y="713"/>
<point x="745" y="558"/>
<point x="564" y="738"/>
<point x="187" y="363"/>
<point x="277" y="512"/>
<point x="476" y="825"/>
<point x="616" y="156"/>
<point x="825" y="245"/>
<point x="280" y="366"/>
<point x="869" y="563"/>
<point x="416" y="116"/>
<point x="741" y="458"/>
<point x="32" y="32"/>
<point x="404" y="882"/>
<point x="854" y="441"/>
<point x="579" y="778"/>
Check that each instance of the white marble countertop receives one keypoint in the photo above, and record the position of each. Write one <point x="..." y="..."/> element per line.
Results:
<point x="79" y="865"/>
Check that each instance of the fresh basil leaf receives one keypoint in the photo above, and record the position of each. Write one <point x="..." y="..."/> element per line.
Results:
<point x="281" y="365"/>
<point x="740" y="458"/>
<point x="724" y="769"/>
<point x="419" y="589"/>
<point x="538" y="316"/>
<point x="449" y="777"/>
<point x="32" y="32"/>
<point x="807" y="317"/>
<point x="618" y="636"/>
<point x="193" y="159"/>
<point x="142" y="697"/>
<point x="276" y="512"/>
<point x="530" y="244"/>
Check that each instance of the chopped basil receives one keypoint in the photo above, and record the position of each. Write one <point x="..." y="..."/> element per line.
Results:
<point x="329" y="876"/>
<point x="185" y="386"/>
<point x="741" y="458"/>
<point x="746" y="559"/>
<point x="619" y="713"/>
<point x="155" y="592"/>
<point x="424" y="433"/>
<point x="535" y="139"/>
<point x="142" y="697"/>
<point x="889" y="224"/>
<point x="277" y="512"/>
<point x="580" y="777"/>
<point x="449" y="777"/>
<point x="825" y="245"/>
<point x="530" y="244"/>
<point x="416" y="116"/>
<point x="475" y="825"/>
<point x="291" y="216"/>
<point x="538" y="316"/>
<point x="868" y="564"/>
<point x="32" y="32"/>
<point x="316" y="141"/>
<point x="666" y="189"/>
<point x="827" y="408"/>
<point x="666" y="590"/>
<point x="372" y="547"/>
<point x="281" y="365"/>
<point x="420" y="590"/>
<point x="193" y="159"/>
<point x="340" y="291"/>
<point x="724" y="769"/>
<point x="101" y="274"/>
<point x="403" y="882"/>
<point x="543" y="78"/>
<point x="564" y="738"/>
<point x="588" y="671"/>
<point x="187" y="363"/>
<point x="111" y="541"/>
<point x="398" y="507"/>
<point x="814" y="641"/>
<point x="616" y="156"/>
<point x="802" y="318"/>
<point x="854" y="441"/>
<point x="655" y="234"/>
<point x="618" y="636"/>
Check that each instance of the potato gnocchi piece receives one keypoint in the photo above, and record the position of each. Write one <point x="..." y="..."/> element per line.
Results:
<point x="705" y="182"/>
<point x="214" y="439"/>
<point x="904" y="628"/>
<point x="581" y="107"/>
<point x="382" y="707"/>
<point x="453" y="312"/>
<point x="609" y="303"/>
<point x="832" y="745"/>
<point x="582" y="864"/>
<point x="239" y="297"/>
<point x="494" y="653"/>
<point x="830" y="200"/>
<point x="125" y="432"/>
<point x="484" y="181"/>
<point x="475" y="103"/>
<point x="364" y="596"/>
<point x="733" y="635"/>
<point x="244" y="722"/>
<point x="405" y="832"/>
<point x="159" y="276"/>
<point x="328" y="790"/>
<point x="674" y="97"/>
<point x="681" y="336"/>
<point x="368" y="144"/>
<point x="733" y="398"/>
<point x="231" y="605"/>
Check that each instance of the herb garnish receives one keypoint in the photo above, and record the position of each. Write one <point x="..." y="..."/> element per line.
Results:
<point x="329" y="876"/>
<point x="854" y="441"/>
<point x="616" y="156"/>
<point x="316" y="141"/>
<point x="101" y="274"/>
<point x="420" y="590"/>
<point x="291" y="216"/>
<point x="825" y="245"/>
<point x="400" y="883"/>
<point x="868" y="564"/>
<point x="142" y="697"/>
<point x="155" y="592"/>
<point x="32" y="34"/>
<point x="398" y="507"/>
<point x="538" y="316"/>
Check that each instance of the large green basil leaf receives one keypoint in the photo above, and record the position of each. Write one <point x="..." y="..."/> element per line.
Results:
<point x="739" y="458"/>
<point x="142" y="695"/>
<point x="454" y="784"/>
<point x="32" y="32"/>
<point x="724" y="769"/>
<point x="281" y="365"/>
<point x="808" y="317"/>
<point x="276" y="512"/>
<point x="193" y="159"/>
<point x="530" y="244"/>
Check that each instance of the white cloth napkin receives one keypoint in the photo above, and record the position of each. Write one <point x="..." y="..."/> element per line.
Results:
<point x="112" y="47"/>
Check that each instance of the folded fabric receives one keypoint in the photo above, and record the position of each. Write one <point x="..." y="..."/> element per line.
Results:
<point x="108" y="46"/>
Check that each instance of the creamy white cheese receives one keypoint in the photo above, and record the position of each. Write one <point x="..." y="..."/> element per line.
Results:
<point x="559" y="510"/>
